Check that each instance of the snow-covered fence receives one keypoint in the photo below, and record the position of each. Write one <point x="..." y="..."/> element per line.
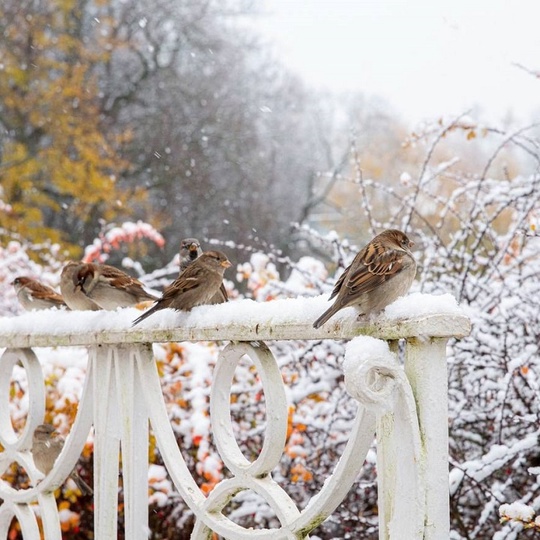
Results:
<point x="405" y="406"/>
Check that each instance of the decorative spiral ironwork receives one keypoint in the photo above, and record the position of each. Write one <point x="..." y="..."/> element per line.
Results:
<point x="122" y="392"/>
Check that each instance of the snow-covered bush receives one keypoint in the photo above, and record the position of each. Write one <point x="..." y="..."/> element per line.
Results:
<point x="478" y="239"/>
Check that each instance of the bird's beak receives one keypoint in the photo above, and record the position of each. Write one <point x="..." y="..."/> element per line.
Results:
<point x="411" y="243"/>
<point x="226" y="264"/>
<point x="192" y="247"/>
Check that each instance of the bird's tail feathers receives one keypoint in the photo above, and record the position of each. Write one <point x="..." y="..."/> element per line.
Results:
<point x="323" y="318"/>
<point x="81" y="484"/>
<point x="143" y="316"/>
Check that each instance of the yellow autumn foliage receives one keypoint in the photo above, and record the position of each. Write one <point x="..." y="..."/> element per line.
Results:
<point x="59" y="164"/>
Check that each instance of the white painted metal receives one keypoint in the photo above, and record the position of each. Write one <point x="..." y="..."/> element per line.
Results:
<point x="106" y="415"/>
<point x="425" y="366"/>
<point x="400" y="458"/>
<point x="276" y="406"/>
<point x="122" y="396"/>
<point x="444" y="326"/>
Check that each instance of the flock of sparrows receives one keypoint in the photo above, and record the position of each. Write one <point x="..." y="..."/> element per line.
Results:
<point x="90" y="286"/>
<point x="380" y="273"/>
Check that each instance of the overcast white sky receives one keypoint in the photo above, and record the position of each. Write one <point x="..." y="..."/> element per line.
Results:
<point x="426" y="57"/>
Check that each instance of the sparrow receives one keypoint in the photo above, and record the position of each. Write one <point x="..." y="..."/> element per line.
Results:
<point x="35" y="295"/>
<point x="190" y="250"/>
<point x="379" y="274"/>
<point x="109" y="287"/>
<point x="195" y="286"/>
<point x="73" y="296"/>
<point x="47" y="444"/>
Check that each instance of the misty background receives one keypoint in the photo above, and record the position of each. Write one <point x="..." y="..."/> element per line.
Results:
<point x="198" y="118"/>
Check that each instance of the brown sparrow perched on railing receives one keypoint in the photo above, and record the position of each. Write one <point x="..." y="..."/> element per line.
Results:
<point x="110" y="287"/>
<point x="379" y="274"/>
<point x="195" y="286"/>
<point x="73" y="296"/>
<point x="35" y="295"/>
<point x="190" y="250"/>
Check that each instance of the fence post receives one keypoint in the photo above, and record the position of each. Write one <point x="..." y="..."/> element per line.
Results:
<point x="426" y="369"/>
<point x="121" y="423"/>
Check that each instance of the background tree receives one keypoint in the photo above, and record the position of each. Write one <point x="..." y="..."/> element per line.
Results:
<point x="222" y="135"/>
<point x="169" y="112"/>
<point x="59" y="168"/>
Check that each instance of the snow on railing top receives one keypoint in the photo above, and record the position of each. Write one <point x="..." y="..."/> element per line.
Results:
<point x="416" y="315"/>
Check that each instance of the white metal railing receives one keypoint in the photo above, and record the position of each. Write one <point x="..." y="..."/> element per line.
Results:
<point x="406" y="406"/>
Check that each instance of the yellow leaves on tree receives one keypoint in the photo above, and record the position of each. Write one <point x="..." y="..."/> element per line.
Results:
<point x="59" y="164"/>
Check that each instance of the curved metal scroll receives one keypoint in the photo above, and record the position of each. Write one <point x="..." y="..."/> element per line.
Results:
<point x="255" y="475"/>
<point x="16" y="449"/>
<point x="122" y="392"/>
